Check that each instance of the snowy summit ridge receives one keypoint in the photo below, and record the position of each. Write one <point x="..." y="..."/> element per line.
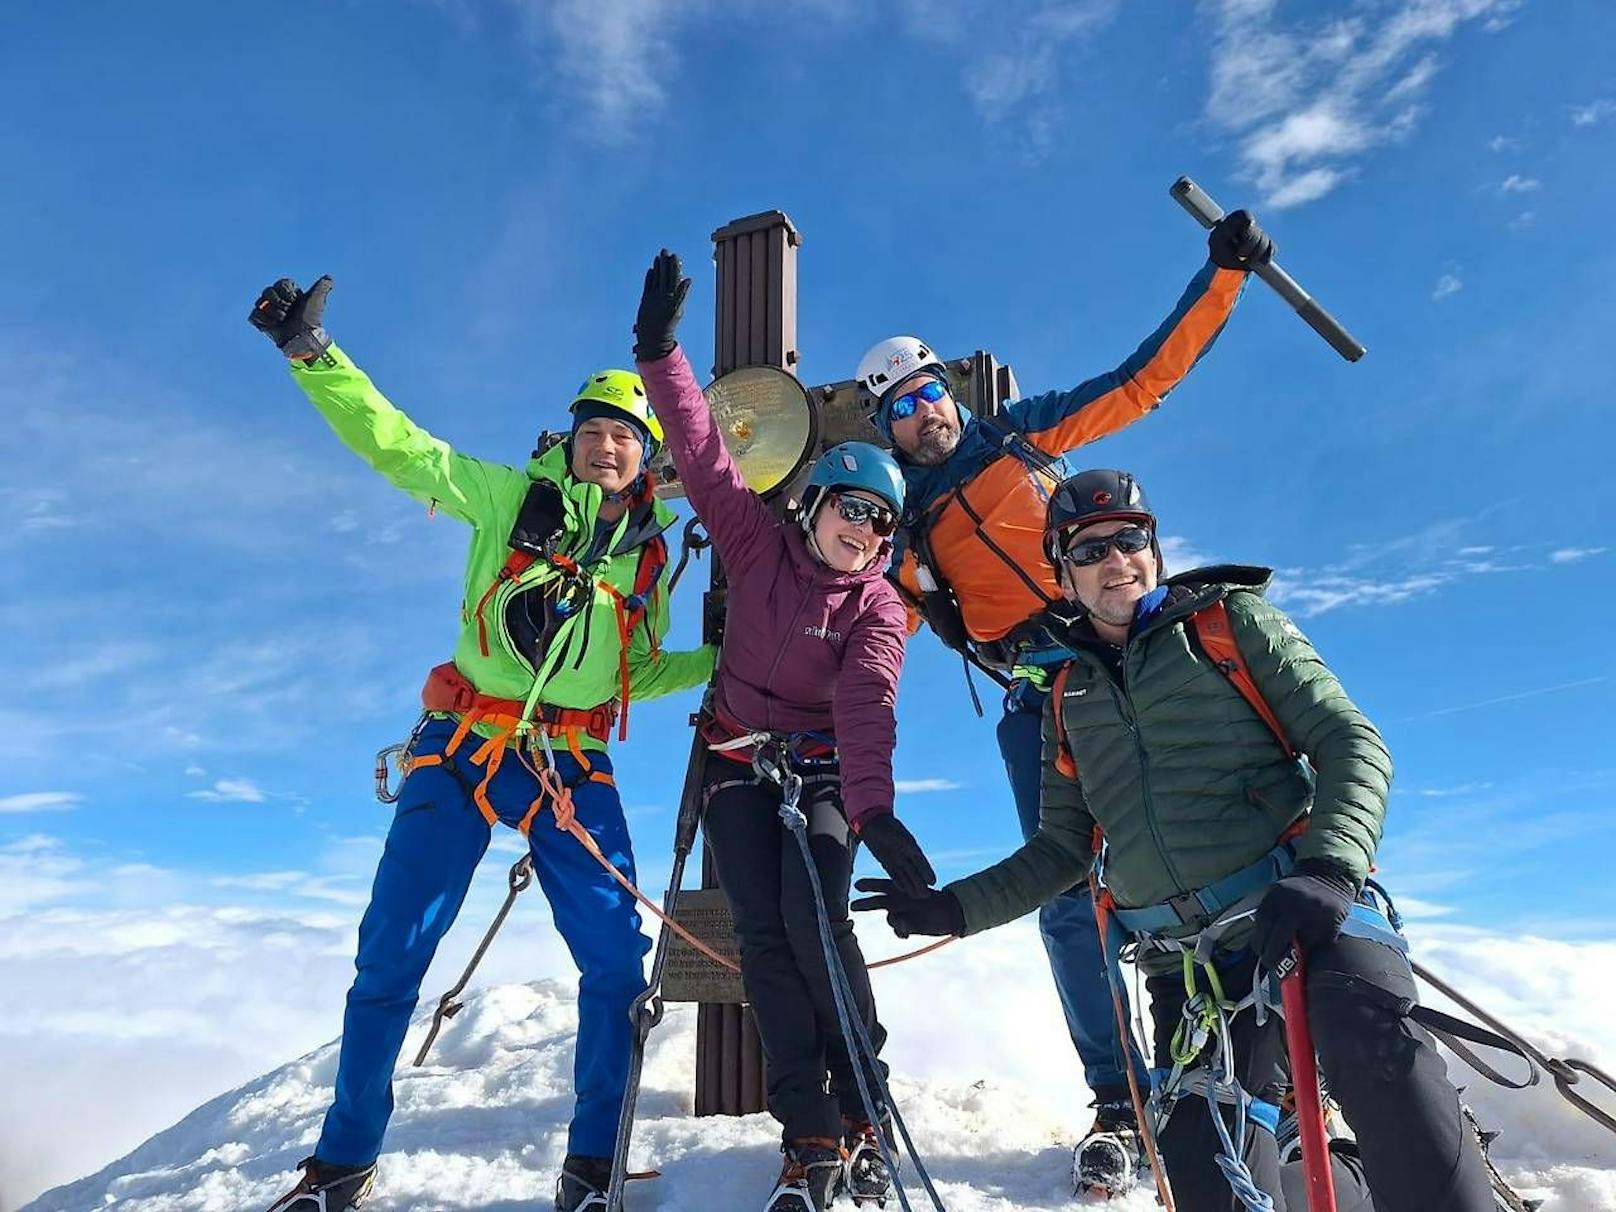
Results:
<point x="483" y="1126"/>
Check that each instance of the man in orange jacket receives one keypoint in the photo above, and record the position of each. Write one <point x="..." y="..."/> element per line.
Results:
<point x="969" y="558"/>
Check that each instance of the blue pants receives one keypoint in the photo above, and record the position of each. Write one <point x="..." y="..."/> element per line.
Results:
<point x="1070" y="933"/>
<point x="436" y="840"/>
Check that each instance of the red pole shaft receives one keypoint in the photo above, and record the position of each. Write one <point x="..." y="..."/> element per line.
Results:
<point x="1305" y="1083"/>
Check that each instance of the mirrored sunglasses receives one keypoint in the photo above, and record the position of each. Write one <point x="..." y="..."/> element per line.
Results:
<point x="858" y="510"/>
<point x="904" y="406"/>
<point x="1130" y="540"/>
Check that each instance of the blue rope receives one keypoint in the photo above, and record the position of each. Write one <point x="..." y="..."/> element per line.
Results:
<point x="854" y="1035"/>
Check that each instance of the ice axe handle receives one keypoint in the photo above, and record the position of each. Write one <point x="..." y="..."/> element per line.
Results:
<point x="1292" y="976"/>
<point x="1207" y="212"/>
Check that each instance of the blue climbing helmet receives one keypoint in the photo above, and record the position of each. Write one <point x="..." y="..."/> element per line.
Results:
<point x="859" y="465"/>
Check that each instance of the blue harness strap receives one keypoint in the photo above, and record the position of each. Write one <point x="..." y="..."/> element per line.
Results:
<point x="1200" y="907"/>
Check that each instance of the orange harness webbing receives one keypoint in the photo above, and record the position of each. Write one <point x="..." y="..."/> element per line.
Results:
<point x="1212" y="628"/>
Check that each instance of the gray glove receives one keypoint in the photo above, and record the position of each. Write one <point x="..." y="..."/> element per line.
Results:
<point x="291" y="317"/>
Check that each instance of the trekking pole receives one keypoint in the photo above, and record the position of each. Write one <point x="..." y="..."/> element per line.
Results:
<point x="517" y="880"/>
<point x="1292" y="977"/>
<point x="1207" y="213"/>
<point x="1566" y="1071"/>
<point x="646" y="1011"/>
<point x="776" y="766"/>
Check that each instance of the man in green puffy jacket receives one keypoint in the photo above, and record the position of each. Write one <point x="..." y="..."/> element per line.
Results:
<point x="1240" y="796"/>
<point x="562" y="622"/>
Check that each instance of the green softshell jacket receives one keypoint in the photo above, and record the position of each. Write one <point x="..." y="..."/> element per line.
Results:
<point x="580" y="667"/>
<point x="1186" y="781"/>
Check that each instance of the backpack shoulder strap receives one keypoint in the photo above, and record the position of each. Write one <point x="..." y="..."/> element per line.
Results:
<point x="1064" y="761"/>
<point x="1211" y="627"/>
<point x="1015" y="442"/>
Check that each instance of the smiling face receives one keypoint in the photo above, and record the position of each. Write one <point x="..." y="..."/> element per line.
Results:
<point x="843" y="545"/>
<point x="929" y="435"/>
<point x="607" y="453"/>
<point x="1111" y="588"/>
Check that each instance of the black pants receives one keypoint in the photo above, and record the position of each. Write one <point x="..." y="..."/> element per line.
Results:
<point x="761" y="871"/>
<point x="1393" y="1088"/>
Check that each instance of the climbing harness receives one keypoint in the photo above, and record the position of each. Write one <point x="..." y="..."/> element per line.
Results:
<point x="775" y="762"/>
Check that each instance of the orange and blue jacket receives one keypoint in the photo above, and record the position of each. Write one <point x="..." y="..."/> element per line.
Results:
<point x="983" y="508"/>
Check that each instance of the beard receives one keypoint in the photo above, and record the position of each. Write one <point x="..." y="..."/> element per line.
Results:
<point x="935" y="444"/>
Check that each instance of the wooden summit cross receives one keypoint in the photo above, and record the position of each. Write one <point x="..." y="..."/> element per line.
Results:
<point x="755" y="324"/>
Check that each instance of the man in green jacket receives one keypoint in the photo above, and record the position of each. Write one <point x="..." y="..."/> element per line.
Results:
<point x="1240" y="796"/>
<point x="562" y="622"/>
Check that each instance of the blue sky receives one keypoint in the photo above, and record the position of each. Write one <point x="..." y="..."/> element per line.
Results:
<point x="216" y="615"/>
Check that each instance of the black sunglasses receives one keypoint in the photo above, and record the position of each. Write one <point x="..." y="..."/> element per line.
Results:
<point x="856" y="509"/>
<point x="1130" y="540"/>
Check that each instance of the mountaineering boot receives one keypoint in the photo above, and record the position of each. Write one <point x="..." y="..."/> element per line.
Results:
<point x="1504" y="1197"/>
<point x="810" y="1176"/>
<point x="581" y="1185"/>
<point x="1106" y="1161"/>
<point x="869" y="1181"/>
<point x="327" y="1188"/>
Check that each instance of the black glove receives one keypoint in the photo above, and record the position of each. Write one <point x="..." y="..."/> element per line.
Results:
<point x="898" y="853"/>
<point x="932" y="912"/>
<point x="661" y="307"/>
<point x="291" y="317"/>
<point x="1236" y="241"/>
<point x="1308" y="906"/>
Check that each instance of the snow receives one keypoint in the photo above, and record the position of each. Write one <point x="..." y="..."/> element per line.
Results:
<point x="982" y="1070"/>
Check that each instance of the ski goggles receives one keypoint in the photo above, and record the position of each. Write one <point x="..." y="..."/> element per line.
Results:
<point x="904" y="406"/>
<point x="1130" y="540"/>
<point x="857" y="510"/>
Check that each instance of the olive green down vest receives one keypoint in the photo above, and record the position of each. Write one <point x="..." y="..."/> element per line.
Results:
<point x="1186" y="781"/>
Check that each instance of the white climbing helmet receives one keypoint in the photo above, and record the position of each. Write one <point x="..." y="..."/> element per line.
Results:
<point x="892" y="361"/>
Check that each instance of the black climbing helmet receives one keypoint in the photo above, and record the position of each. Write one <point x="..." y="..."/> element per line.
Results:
<point x="1099" y="495"/>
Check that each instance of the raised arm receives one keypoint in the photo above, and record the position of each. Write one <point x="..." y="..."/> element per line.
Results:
<point x="1059" y="421"/>
<point x="734" y="515"/>
<point x="424" y="466"/>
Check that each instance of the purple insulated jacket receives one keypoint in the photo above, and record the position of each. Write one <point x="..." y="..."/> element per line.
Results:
<point x="806" y="648"/>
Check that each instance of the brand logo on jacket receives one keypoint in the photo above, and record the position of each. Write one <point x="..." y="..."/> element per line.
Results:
<point x="823" y="633"/>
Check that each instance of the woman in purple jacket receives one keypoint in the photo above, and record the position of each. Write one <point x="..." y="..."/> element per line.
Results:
<point x="812" y="649"/>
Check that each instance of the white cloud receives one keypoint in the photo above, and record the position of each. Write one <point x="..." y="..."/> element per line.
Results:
<point x="1517" y="184"/>
<point x="195" y="771"/>
<point x="1180" y="554"/>
<point x="148" y="976"/>
<point x="1571" y="555"/>
<point x="1594" y="112"/>
<point x="230" y="791"/>
<point x="921" y="786"/>
<point x="1447" y="284"/>
<point x="1503" y="143"/>
<point x="41" y="801"/>
<point x="1523" y="220"/>
<point x="1306" y="100"/>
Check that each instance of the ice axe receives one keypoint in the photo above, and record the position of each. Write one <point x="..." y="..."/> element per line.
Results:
<point x="1292" y="977"/>
<point x="1207" y="212"/>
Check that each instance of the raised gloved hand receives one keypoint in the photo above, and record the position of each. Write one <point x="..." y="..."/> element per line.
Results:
<point x="661" y="307"/>
<point x="1236" y="241"/>
<point x="932" y="912"/>
<point x="291" y="317"/>
<point x="1307" y="906"/>
<point x="898" y="853"/>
